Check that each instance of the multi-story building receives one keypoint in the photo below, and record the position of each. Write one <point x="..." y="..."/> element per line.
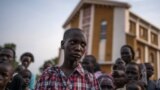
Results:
<point x="110" y="24"/>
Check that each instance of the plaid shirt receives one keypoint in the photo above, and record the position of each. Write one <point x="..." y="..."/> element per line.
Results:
<point x="54" y="79"/>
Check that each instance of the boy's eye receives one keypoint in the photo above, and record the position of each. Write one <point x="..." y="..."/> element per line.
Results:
<point x="73" y="42"/>
<point x="5" y="74"/>
<point x="83" y="44"/>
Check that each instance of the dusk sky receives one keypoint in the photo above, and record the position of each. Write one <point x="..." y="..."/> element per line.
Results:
<point x="36" y="25"/>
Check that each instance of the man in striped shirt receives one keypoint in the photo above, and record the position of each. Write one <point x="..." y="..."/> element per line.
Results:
<point x="71" y="75"/>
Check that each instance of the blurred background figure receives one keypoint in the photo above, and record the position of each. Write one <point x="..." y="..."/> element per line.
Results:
<point x="106" y="82"/>
<point x="26" y="59"/>
<point x="119" y="78"/>
<point x="135" y="85"/>
<point x="89" y="63"/>
<point x="17" y="80"/>
<point x="119" y="65"/>
<point x="7" y="55"/>
<point x="26" y="76"/>
<point x="151" y="85"/>
<point x="127" y="54"/>
<point x="6" y="71"/>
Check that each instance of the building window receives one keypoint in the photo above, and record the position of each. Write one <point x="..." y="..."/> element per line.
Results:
<point x="132" y="27"/>
<point x="154" y="38"/>
<point x="143" y="33"/>
<point x="151" y="58"/>
<point x="103" y="40"/>
<point x="103" y="29"/>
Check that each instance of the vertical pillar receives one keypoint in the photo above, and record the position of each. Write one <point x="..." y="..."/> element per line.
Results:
<point x="146" y="54"/>
<point x="80" y="18"/>
<point x="91" y="30"/>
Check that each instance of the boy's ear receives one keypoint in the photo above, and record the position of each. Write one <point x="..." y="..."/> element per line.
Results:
<point x="62" y="44"/>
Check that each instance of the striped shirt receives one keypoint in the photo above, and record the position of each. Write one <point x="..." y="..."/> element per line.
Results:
<point x="54" y="79"/>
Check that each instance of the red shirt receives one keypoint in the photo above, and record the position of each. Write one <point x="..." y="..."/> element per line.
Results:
<point x="54" y="79"/>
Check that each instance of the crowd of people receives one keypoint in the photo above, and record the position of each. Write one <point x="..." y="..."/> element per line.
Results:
<point x="78" y="71"/>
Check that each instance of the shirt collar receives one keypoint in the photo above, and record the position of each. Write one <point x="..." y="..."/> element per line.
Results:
<point x="80" y="70"/>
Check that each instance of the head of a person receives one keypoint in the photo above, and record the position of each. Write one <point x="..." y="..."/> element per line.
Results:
<point x="119" y="61"/>
<point x="150" y="69"/>
<point x="119" y="78"/>
<point x="74" y="45"/>
<point x="26" y="59"/>
<point x="135" y="85"/>
<point x="19" y="68"/>
<point x="119" y="64"/>
<point x="7" y="55"/>
<point x="26" y="75"/>
<point x="47" y="64"/>
<point x="89" y="62"/>
<point x="133" y="71"/>
<point x="6" y="71"/>
<point x="97" y="67"/>
<point x="127" y="53"/>
<point x="106" y="82"/>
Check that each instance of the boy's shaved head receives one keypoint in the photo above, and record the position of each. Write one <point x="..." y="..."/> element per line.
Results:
<point x="70" y="31"/>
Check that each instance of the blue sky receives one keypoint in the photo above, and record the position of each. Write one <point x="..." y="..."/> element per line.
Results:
<point x="36" y="25"/>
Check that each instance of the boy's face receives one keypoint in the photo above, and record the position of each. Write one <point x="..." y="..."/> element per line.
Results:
<point x="132" y="72"/>
<point x="26" y="60"/>
<point x="88" y="64"/>
<point x="118" y="67"/>
<point x="119" y="78"/>
<point x="6" y="56"/>
<point x="120" y="62"/>
<point x="126" y="54"/>
<point x="26" y="77"/>
<point x="5" y="75"/>
<point x="46" y="65"/>
<point x="106" y="84"/>
<point x="150" y="70"/>
<point x="74" y="46"/>
<point x="133" y="87"/>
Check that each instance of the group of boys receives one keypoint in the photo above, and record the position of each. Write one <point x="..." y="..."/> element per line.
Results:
<point x="18" y="78"/>
<point x="78" y="74"/>
<point x="75" y="74"/>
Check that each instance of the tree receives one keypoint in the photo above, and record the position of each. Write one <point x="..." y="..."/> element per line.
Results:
<point x="10" y="45"/>
<point x="0" y="47"/>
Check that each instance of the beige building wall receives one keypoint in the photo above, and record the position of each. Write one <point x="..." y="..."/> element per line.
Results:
<point x="103" y="13"/>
